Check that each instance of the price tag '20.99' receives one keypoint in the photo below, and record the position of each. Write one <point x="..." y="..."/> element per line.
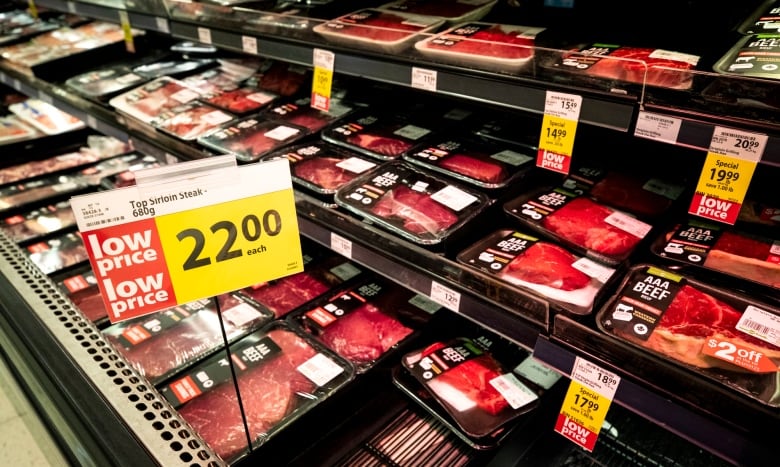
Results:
<point x="559" y="125"/>
<point x="322" y="81"/>
<point x="152" y="247"/>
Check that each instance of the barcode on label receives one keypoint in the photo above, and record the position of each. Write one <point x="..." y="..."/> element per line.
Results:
<point x="756" y="326"/>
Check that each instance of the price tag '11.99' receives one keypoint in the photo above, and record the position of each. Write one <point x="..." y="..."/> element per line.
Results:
<point x="559" y="125"/>
<point x="725" y="177"/>
<point x="322" y="81"/>
<point x="203" y="232"/>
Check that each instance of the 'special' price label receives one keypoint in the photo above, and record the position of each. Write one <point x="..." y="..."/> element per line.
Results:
<point x="559" y="125"/>
<point x="726" y="174"/>
<point x="322" y="81"/>
<point x="153" y="246"/>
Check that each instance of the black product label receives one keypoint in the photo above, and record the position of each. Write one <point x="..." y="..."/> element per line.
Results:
<point x="643" y="301"/>
<point x="446" y="358"/>
<point x="496" y="254"/>
<point x="536" y="209"/>
<point x="691" y="242"/>
<point x="245" y="355"/>
<point x="587" y="57"/>
<point x="323" y="316"/>
<point x="152" y="325"/>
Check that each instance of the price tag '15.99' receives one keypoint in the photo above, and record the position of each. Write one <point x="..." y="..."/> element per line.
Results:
<point x="586" y="403"/>
<point x="725" y="177"/>
<point x="559" y="125"/>
<point x="322" y="81"/>
<point x="212" y="227"/>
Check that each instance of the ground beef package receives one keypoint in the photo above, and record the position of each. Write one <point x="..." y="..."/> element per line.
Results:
<point x="729" y="338"/>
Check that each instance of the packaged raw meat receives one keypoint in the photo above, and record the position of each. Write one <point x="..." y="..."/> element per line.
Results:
<point x="452" y="11"/>
<point x="250" y="138"/>
<point x="729" y="250"/>
<point x="419" y="207"/>
<point x="13" y="129"/>
<point x="241" y="101"/>
<point x="283" y="78"/>
<point x="764" y="20"/>
<point x="39" y="222"/>
<point x="366" y="321"/>
<point x="755" y="56"/>
<point x="489" y="46"/>
<point x="474" y="162"/>
<point x="82" y="289"/>
<point x="374" y="29"/>
<point x="580" y="223"/>
<point x="149" y="101"/>
<point x="384" y="136"/>
<point x="57" y="253"/>
<point x="104" y="83"/>
<point x="300" y="112"/>
<point x="281" y="374"/>
<point x="191" y="120"/>
<point x="729" y="338"/>
<point x="45" y="117"/>
<point x="467" y="378"/>
<point x="127" y="177"/>
<point x="161" y="343"/>
<point x="567" y="281"/>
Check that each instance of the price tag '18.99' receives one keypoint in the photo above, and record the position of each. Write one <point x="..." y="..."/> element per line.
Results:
<point x="203" y="232"/>
<point x="559" y="125"/>
<point x="725" y="177"/>
<point x="322" y="81"/>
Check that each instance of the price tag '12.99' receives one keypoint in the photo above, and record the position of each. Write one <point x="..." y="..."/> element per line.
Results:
<point x="725" y="177"/>
<point x="559" y="125"/>
<point x="212" y="227"/>
<point x="322" y="81"/>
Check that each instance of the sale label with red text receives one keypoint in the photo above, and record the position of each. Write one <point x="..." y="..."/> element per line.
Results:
<point x="192" y="236"/>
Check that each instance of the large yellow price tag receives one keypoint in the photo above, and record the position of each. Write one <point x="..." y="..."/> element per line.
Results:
<point x="155" y="246"/>
<point x="726" y="174"/>
<point x="322" y="81"/>
<point x="586" y="403"/>
<point x="559" y="126"/>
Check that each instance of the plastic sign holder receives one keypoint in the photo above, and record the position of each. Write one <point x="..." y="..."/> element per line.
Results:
<point x="189" y="231"/>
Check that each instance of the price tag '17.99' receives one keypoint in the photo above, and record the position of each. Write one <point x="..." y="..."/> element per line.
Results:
<point x="559" y="125"/>
<point x="725" y="177"/>
<point x="203" y="232"/>
<point x="322" y="81"/>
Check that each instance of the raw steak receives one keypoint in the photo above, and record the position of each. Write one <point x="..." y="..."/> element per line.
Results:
<point x="479" y="169"/>
<point x="692" y="318"/>
<point x="745" y="256"/>
<point x="581" y="221"/>
<point x="418" y="211"/>
<point x="635" y="62"/>
<point x="90" y="302"/>
<point x="548" y="264"/>
<point x="490" y="42"/>
<point x="383" y="145"/>
<point x="269" y="392"/>
<point x="323" y="172"/>
<point x="442" y="8"/>
<point x="288" y="293"/>
<point x="364" y="334"/>
<point x="625" y="192"/>
<point x="242" y="100"/>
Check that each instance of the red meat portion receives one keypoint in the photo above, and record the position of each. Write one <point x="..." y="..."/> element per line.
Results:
<point x="656" y="69"/>
<point x="492" y="42"/>
<point x="581" y="221"/>
<point x="418" y="211"/>
<point x="390" y="147"/>
<point x="625" y="192"/>
<point x="742" y="245"/>
<point x="314" y="120"/>
<point x="288" y="293"/>
<point x="323" y="172"/>
<point x="384" y="27"/>
<point x="472" y="379"/>
<point x="695" y="313"/>
<point x="442" y="8"/>
<point x="478" y="169"/>
<point x="364" y="334"/>
<point x="269" y="392"/>
<point x="548" y="264"/>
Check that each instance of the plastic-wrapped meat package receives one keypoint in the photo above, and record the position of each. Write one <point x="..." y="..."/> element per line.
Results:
<point x="301" y="113"/>
<point x="282" y="78"/>
<point x="251" y="138"/>
<point x="149" y="101"/>
<point x="192" y="120"/>
<point x="82" y="289"/>
<point x="12" y="129"/>
<point x="38" y="222"/>
<point x="281" y="375"/>
<point x="104" y="82"/>
<point x="58" y="253"/>
<point x="45" y="117"/>
<point x="241" y="101"/>
<point x="454" y="11"/>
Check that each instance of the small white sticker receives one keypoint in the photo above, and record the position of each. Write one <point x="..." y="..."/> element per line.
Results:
<point x="249" y="44"/>
<point x="628" y="224"/>
<point x="355" y="165"/>
<point x="184" y="96"/>
<point x="45" y="97"/>
<point x="346" y="271"/>
<point x="412" y="132"/>
<point x="516" y="393"/>
<point x="513" y="158"/>
<point x="282" y="133"/>
<point x="454" y="198"/>
<point x="204" y="35"/>
<point x="320" y="369"/>
<point x="594" y="377"/>
<point x="658" y="127"/>
<point x="536" y="371"/>
<point x="71" y="6"/>
<point x="675" y="56"/>
<point x="424" y="79"/>
<point x="241" y="314"/>
<point x="775" y="248"/>
<point x="761" y="324"/>
<point x="445" y="296"/>
<point x="162" y="25"/>
<point x="593" y="269"/>
<point x="340" y="245"/>
<point x="737" y="143"/>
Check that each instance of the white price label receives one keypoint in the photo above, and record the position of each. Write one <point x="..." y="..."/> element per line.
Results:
<point x="737" y="143"/>
<point x="657" y="127"/>
<point x="162" y="25"/>
<point x="563" y="105"/>
<point x="324" y="59"/>
<point x="424" y="79"/>
<point x="341" y="245"/>
<point x="92" y="121"/>
<point x="204" y="35"/>
<point x="445" y="296"/>
<point x="320" y="369"/>
<point x="596" y="378"/>
<point x="249" y="44"/>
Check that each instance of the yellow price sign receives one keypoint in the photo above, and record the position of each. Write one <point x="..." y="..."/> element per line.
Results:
<point x="322" y="81"/>
<point x="33" y="9"/>
<point x="559" y="126"/>
<point x="158" y="245"/>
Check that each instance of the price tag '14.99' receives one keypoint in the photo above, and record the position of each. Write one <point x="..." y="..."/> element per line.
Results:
<point x="212" y="227"/>
<point x="559" y="125"/>
<point x="725" y="177"/>
<point x="322" y="81"/>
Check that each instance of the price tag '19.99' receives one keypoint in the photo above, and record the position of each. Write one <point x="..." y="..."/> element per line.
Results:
<point x="322" y="81"/>
<point x="153" y="246"/>
<point x="559" y="125"/>
<point x="725" y="177"/>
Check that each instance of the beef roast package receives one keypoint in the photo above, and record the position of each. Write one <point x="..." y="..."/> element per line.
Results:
<point x="452" y="11"/>
<point x="753" y="56"/>
<point x="191" y="120"/>
<point x="729" y="338"/>
<point x="579" y="223"/>
<point x="38" y="222"/>
<point x="281" y="374"/>
<point x="81" y="287"/>
<point x="566" y="281"/>
<point x="366" y="321"/>
<point x="472" y="379"/>
<point x="485" y="165"/>
<point x="735" y="252"/>
<point x="300" y="112"/>
<point x="161" y="343"/>
<point x="58" y="253"/>
<point x="385" y="136"/>
<point x="420" y="207"/>
<point x="150" y="100"/>
<point x="250" y="138"/>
